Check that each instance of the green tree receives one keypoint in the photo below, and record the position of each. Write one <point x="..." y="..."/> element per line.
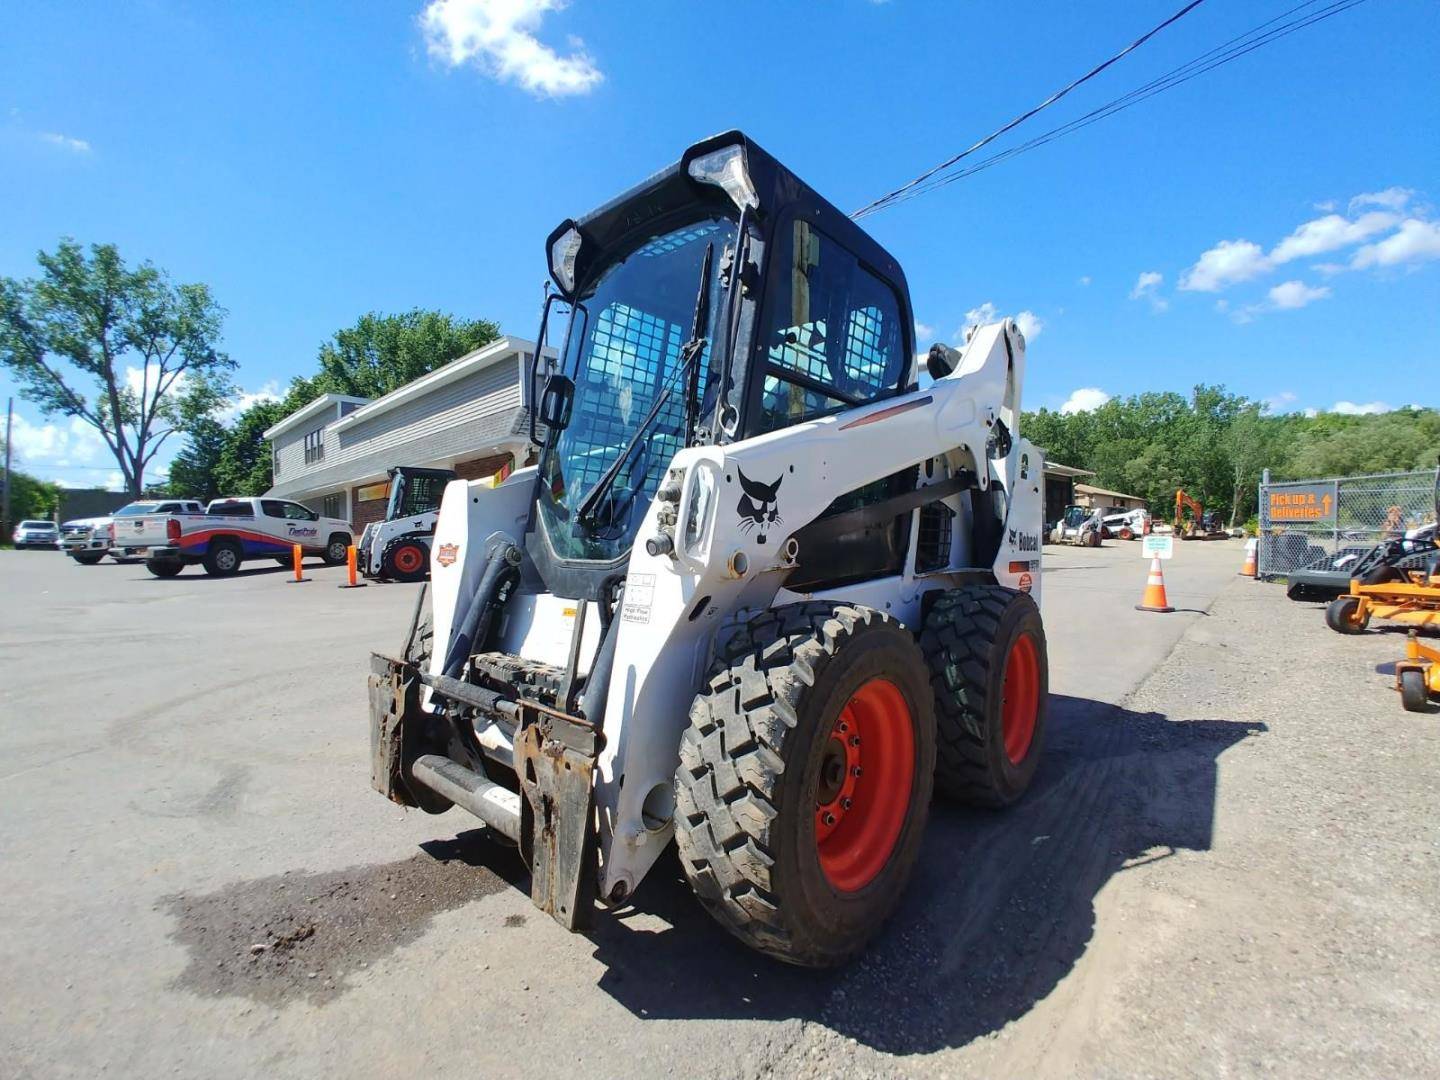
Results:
<point x="195" y="470"/>
<point x="381" y="353"/>
<point x="31" y="498"/>
<point x="126" y="351"/>
<point x="244" y="466"/>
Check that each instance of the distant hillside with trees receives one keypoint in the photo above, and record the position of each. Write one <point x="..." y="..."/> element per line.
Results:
<point x="1215" y="445"/>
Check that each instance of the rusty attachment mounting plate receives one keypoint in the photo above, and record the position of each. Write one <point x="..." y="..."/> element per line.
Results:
<point x="555" y="760"/>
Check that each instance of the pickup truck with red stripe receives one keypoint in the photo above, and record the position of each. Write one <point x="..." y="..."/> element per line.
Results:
<point x="229" y="532"/>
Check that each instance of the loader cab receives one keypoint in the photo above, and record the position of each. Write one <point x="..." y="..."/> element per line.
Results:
<point x="721" y="299"/>
<point x="415" y="491"/>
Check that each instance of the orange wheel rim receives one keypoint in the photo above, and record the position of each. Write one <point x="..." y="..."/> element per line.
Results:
<point x="1021" y="698"/>
<point x="407" y="559"/>
<point x="863" y="795"/>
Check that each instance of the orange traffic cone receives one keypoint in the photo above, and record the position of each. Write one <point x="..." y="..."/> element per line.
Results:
<point x="1154" y="598"/>
<point x="1252" y="547"/>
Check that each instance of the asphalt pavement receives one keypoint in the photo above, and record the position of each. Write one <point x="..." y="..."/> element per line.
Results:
<point x="199" y="880"/>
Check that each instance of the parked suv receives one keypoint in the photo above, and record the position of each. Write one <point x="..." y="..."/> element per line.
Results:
<point x="37" y="534"/>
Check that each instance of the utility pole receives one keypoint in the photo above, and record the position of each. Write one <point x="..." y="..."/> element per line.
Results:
<point x="5" y="507"/>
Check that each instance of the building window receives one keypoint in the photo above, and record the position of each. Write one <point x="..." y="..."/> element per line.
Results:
<point x="315" y="446"/>
<point x="334" y="506"/>
<point x="275" y="462"/>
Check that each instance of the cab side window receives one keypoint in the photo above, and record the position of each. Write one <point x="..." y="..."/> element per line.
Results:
<point x="831" y="332"/>
<point x="273" y="508"/>
<point x="296" y="512"/>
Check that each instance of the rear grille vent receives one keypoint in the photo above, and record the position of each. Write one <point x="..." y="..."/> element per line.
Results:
<point x="932" y="548"/>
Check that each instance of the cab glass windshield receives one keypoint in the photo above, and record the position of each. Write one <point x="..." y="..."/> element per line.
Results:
<point x="624" y="350"/>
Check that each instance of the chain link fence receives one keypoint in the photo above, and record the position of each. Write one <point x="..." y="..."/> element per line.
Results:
<point x="1308" y="523"/>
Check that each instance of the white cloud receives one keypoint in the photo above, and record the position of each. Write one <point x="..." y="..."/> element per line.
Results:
<point x="1296" y="294"/>
<point x="1085" y="280"/>
<point x="1281" y="402"/>
<point x="56" y="445"/>
<point x="1085" y="399"/>
<point x="1028" y="322"/>
<point x="1330" y="233"/>
<point x="983" y="315"/>
<point x="1287" y="296"/>
<point x="1392" y="198"/>
<point x="1312" y="412"/>
<point x="1146" y="284"/>
<point x="923" y="331"/>
<point x="1226" y="263"/>
<point x="1326" y="207"/>
<point x="1147" y="287"/>
<point x="65" y="142"/>
<point x="498" y="36"/>
<point x="1416" y="241"/>
<point x="1349" y="408"/>
<point x="269" y="392"/>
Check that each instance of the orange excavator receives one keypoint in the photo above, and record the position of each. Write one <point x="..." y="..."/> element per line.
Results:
<point x="1202" y="525"/>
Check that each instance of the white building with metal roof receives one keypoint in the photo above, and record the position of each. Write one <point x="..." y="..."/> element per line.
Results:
<point x="471" y="415"/>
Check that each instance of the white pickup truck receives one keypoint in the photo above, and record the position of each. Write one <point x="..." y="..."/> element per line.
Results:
<point x="88" y="540"/>
<point x="229" y="532"/>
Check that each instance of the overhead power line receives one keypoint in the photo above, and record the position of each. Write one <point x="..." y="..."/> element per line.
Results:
<point x="1051" y="100"/>
<point x="1256" y="37"/>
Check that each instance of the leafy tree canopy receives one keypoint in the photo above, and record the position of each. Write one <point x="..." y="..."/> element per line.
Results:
<point x="1216" y="445"/>
<point x="125" y="350"/>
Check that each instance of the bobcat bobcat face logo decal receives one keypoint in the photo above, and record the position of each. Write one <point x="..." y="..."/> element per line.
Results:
<point x="758" y="508"/>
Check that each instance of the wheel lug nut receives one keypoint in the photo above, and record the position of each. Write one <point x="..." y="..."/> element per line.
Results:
<point x="854" y="740"/>
<point x="855" y="771"/>
<point x="844" y="804"/>
<point x="829" y="818"/>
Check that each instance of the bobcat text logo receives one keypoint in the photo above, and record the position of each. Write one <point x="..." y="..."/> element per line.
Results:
<point x="1024" y="541"/>
<point x="758" y="507"/>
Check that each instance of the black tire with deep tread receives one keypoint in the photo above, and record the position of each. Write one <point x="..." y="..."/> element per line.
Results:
<point x="966" y="640"/>
<point x="164" y="568"/>
<point x="749" y="763"/>
<point x="1339" y="614"/>
<point x="1414" y="694"/>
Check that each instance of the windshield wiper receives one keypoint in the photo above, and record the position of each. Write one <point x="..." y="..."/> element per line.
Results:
<point x="690" y="352"/>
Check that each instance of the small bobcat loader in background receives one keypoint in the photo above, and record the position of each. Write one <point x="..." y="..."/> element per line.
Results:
<point x="398" y="547"/>
<point x="1079" y="525"/>
<point x="761" y="593"/>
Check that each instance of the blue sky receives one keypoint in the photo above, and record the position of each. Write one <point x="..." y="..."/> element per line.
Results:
<point x="312" y="162"/>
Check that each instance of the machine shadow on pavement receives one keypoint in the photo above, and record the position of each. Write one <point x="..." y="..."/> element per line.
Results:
<point x="1001" y="907"/>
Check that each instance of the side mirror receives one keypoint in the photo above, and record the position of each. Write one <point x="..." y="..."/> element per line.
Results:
<point x="937" y="362"/>
<point x="556" y="402"/>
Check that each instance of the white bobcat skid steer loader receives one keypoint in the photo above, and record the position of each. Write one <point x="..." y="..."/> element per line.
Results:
<point x="761" y="593"/>
<point x="398" y="548"/>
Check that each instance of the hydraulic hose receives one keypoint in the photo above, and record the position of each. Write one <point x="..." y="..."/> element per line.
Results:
<point x="502" y="566"/>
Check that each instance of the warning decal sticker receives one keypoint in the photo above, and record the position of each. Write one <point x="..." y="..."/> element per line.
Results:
<point x="639" y="596"/>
